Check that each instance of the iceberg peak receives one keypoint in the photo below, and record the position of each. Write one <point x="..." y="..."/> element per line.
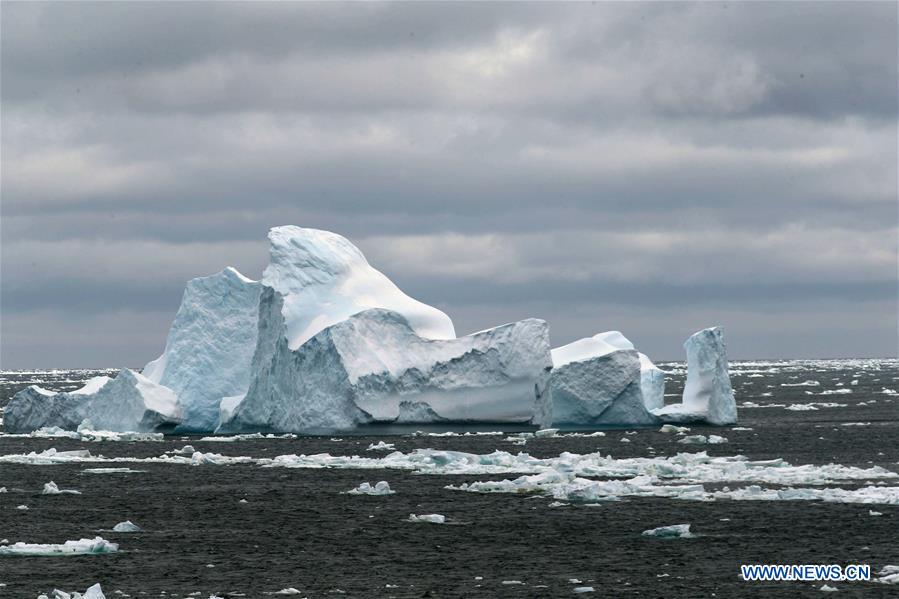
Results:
<point x="325" y="279"/>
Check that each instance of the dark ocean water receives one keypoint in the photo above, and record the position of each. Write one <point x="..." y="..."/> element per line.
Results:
<point x="299" y="529"/>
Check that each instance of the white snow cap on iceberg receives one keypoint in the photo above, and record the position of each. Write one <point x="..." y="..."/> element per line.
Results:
<point x="590" y="347"/>
<point x="325" y="279"/>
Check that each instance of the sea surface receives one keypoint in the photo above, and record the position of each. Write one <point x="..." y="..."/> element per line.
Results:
<point x="253" y="525"/>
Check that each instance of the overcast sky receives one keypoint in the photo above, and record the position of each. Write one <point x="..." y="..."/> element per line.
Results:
<point x="651" y="168"/>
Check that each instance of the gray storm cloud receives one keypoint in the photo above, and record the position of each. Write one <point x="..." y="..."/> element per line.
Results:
<point x="648" y="167"/>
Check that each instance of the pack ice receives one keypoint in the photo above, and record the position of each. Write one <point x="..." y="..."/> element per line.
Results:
<point x="326" y="342"/>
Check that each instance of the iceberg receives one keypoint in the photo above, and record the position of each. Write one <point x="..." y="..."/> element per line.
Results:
<point x="325" y="342"/>
<point x="708" y="396"/>
<point x="600" y="381"/>
<point x="129" y="402"/>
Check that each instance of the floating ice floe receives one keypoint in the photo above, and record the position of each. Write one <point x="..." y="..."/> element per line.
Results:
<point x="431" y="518"/>
<point x="888" y="575"/>
<point x="381" y="488"/>
<point x="96" y="545"/>
<point x="580" y="590"/>
<point x="93" y="592"/>
<point x="836" y="392"/>
<point x="287" y="591"/>
<point x="703" y="440"/>
<point x="808" y="407"/>
<point x="51" y="488"/>
<point x="680" y="476"/>
<point x="111" y="471"/>
<point x="85" y="432"/>
<point x="679" y="531"/>
<point x="381" y="446"/>
<point x="670" y="428"/>
<point x="127" y="526"/>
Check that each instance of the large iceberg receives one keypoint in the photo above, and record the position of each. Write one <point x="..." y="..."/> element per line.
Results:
<point x="708" y="396"/>
<point x="326" y="342"/>
<point x="128" y="402"/>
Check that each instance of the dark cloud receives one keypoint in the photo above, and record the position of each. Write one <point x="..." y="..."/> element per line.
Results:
<point x="657" y="165"/>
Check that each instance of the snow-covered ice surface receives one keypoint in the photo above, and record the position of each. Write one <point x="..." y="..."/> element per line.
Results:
<point x="785" y="484"/>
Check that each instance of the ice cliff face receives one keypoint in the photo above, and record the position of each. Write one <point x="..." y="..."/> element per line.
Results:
<point x="374" y="367"/>
<point x="129" y="402"/>
<point x="210" y="346"/>
<point x="325" y="279"/>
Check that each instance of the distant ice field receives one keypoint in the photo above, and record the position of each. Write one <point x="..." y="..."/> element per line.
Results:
<point x="810" y="474"/>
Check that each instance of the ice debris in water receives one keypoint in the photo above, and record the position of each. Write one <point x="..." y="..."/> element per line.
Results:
<point x="681" y="531"/>
<point x="93" y="592"/>
<point x="86" y="432"/>
<point x="583" y="590"/>
<point x="110" y="471"/>
<point x="888" y="575"/>
<point x="51" y="488"/>
<point x="381" y="446"/>
<point x="703" y="440"/>
<point x="432" y="518"/>
<point x="671" y="428"/>
<point x="381" y="488"/>
<point x="828" y="589"/>
<point x="546" y="432"/>
<point x="126" y="526"/>
<point x="80" y="547"/>
<point x="287" y="591"/>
